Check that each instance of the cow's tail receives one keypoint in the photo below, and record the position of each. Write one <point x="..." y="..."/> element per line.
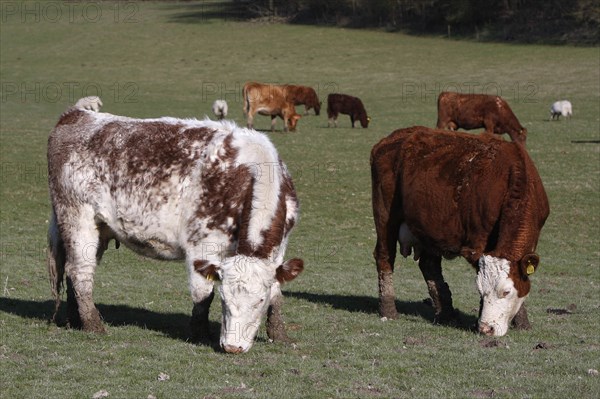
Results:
<point x="55" y="260"/>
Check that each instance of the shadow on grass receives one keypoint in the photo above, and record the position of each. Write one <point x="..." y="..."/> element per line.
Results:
<point x="367" y="304"/>
<point x="173" y="325"/>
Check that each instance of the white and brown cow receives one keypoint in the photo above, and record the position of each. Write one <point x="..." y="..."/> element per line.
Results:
<point x="447" y="194"/>
<point x="210" y="193"/>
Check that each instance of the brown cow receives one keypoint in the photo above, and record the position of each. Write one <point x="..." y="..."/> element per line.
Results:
<point x="267" y="99"/>
<point x="348" y="105"/>
<point x="303" y="95"/>
<point x="447" y="194"/>
<point x="473" y="111"/>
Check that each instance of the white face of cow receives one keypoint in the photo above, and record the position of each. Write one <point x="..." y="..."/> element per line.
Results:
<point x="245" y="294"/>
<point x="500" y="300"/>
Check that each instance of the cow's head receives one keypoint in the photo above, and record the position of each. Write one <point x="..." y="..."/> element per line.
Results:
<point x="364" y="121"/>
<point x="245" y="290"/>
<point x="503" y="288"/>
<point x="521" y="136"/>
<point x="318" y="107"/>
<point x="293" y="120"/>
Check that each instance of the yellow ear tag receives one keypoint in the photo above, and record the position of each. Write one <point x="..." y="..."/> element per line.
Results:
<point x="530" y="268"/>
<point x="211" y="277"/>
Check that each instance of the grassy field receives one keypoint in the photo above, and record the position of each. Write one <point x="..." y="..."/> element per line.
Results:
<point x="150" y="59"/>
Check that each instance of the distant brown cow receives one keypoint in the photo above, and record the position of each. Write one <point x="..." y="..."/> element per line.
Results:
<point x="473" y="111"/>
<point x="303" y="95"/>
<point x="267" y="99"/>
<point x="348" y="105"/>
<point x="448" y="194"/>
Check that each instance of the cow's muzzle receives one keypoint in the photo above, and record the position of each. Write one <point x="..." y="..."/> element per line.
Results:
<point x="233" y="349"/>
<point x="486" y="329"/>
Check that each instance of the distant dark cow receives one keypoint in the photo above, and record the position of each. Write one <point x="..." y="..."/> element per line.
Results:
<point x="474" y="111"/>
<point x="448" y="194"/>
<point x="348" y="105"/>
<point x="270" y="100"/>
<point x="303" y="95"/>
<point x="210" y="193"/>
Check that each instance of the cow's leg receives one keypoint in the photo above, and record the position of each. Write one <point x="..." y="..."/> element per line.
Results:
<point x="332" y="120"/>
<point x="521" y="321"/>
<point x="431" y="268"/>
<point x="81" y="239"/>
<point x="275" y="324"/>
<point x="202" y="291"/>
<point x="387" y="228"/>
<point x="250" y="120"/>
<point x="352" y="120"/>
<point x="273" y="121"/>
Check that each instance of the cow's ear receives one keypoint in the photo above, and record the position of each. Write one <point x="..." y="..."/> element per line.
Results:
<point x="206" y="269"/>
<point x="529" y="264"/>
<point x="289" y="270"/>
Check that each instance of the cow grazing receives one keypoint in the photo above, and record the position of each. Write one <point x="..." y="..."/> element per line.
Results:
<point x="267" y="99"/>
<point x="303" y="95"/>
<point x="91" y="103"/>
<point x="473" y="111"/>
<point x="220" y="108"/>
<point x="559" y="108"/>
<point x="207" y="192"/>
<point x="348" y="105"/>
<point x="448" y="194"/>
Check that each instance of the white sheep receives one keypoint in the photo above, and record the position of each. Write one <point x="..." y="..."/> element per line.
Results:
<point x="561" y="108"/>
<point x="91" y="103"/>
<point x="220" y="108"/>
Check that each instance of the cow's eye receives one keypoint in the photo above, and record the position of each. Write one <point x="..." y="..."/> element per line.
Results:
<point x="505" y="293"/>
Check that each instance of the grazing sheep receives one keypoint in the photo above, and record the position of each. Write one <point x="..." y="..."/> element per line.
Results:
<point x="91" y="103"/>
<point x="559" y="108"/>
<point x="220" y="108"/>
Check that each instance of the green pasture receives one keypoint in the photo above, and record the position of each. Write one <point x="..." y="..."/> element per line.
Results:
<point x="148" y="59"/>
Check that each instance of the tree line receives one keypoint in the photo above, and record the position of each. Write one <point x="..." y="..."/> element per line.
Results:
<point x="528" y="21"/>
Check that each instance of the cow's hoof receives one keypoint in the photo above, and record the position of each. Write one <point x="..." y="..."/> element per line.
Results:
<point x="91" y="322"/>
<point x="200" y="334"/>
<point x="276" y="333"/>
<point x="447" y="318"/>
<point x="387" y="308"/>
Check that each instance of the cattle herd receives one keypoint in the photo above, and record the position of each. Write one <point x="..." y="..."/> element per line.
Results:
<point x="218" y="196"/>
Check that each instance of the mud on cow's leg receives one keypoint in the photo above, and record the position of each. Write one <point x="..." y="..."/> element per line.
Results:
<point x="73" y="319"/>
<point x="199" y="324"/>
<point x="275" y="324"/>
<point x="80" y="268"/>
<point x="431" y="268"/>
<point x="81" y="311"/>
<point x="521" y="321"/>
<point x="387" y="295"/>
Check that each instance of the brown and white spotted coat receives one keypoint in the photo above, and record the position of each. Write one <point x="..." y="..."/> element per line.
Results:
<point x="211" y="193"/>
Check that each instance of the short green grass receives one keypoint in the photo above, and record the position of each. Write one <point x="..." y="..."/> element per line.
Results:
<point x="151" y="59"/>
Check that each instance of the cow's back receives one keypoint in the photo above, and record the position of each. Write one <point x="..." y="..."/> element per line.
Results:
<point x="160" y="185"/>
